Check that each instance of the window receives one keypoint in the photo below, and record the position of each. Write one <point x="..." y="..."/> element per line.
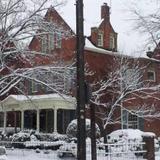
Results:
<point x="151" y="75"/>
<point x="34" y="87"/>
<point x="112" y="41"/>
<point x="100" y="39"/>
<point x="58" y="40"/>
<point x="54" y="78"/>
<point x="69" y="78"/>
<point x="51" y="42"/>
<point x="49" y="81"/>
<point x="44" y="44"/>
<point x="131" y="120"/>
<point x="21" y="86"/>
<point x="130" y="78"/>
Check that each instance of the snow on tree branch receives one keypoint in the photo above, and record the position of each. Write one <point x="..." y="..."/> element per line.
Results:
<point x="20" y="21"/>
<point x="122" y="87"/>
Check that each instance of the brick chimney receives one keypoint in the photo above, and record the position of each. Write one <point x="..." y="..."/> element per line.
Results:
<point x="105" y="12"/>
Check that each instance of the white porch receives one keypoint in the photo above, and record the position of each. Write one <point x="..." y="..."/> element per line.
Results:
<point x="16" y="108"/>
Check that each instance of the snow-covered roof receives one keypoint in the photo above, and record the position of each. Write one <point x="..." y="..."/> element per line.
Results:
<point x="36" y="97"/>
<point x="47" y="101"/>
<point x="90" y="47"/>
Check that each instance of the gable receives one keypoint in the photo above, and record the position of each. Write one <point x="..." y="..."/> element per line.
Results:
<point x="67" y="45"/>
<point x="55" y="17"/>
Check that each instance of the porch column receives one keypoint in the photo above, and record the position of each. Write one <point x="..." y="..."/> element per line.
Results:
<point x="38" y="121"/>
<point x="55" y="120"/>
<point x="5" y="121"/>
<point x="22" y="120"/>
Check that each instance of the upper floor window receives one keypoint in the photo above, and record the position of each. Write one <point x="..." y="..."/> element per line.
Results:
<point x="112" y="41"/>
<point x="151" y="75"/>
<point x="34" y="86"/>
<point x="51" y="41"/>
<point x="130" y="78"/>
<point x="44" y="44"/>
<point x="58" y="41"/>
<point x="69" y="78"/>
<point x="100" y="39"/>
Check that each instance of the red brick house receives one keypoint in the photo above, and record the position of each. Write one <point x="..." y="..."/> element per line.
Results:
<point x="100" y="53"/>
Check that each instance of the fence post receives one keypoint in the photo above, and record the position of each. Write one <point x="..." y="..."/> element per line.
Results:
<point x="149" y="147"/>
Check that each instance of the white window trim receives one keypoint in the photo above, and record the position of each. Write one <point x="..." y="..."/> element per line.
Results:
<point x="44" y="44"/>
<point x="127" y="116"/>
<point x="58" y="40"/>
<point x="154" y="76"/>
<point x="100" y="39"/>
<point x="112" y="39"/>
<point x="51" y="42"/>
<point x="34" y="87"/>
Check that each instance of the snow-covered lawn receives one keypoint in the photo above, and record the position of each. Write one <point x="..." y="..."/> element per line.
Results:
<point x="121" y="146"/>
<point x="28" y="154"/>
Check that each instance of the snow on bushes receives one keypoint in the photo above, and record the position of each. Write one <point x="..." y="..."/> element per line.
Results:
<point x="125" y="135"/>
<point x="72" y="129"/>
<point x="50" y="136"/>
<point x="21" y="137"/>
<point x="31" y="139"/>
<point x="132" y="137"/>
<point x="31" y="135"/>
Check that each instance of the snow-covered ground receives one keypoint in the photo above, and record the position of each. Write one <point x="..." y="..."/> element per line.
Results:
<point x="27" y="154"/>
<point x="119" y="147"/>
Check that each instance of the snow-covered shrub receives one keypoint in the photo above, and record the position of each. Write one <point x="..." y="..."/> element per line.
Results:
<point x="32" y="135"/>
<point x="6" y="135"/>
<point x="33" y="140"/>
<point x="50" y="137"/>
<point x="132" y="138"/>
<point x="18" y="138"/>
<point x="72" y="129"/>
<point x="21" y="137"/>
<point x="43" y="144"/>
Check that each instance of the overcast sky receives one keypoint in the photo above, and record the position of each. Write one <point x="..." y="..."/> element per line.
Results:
<point x="129" y="41"/>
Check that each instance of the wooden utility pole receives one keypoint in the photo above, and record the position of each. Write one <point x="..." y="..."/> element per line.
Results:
<point x="81" y="132"/>
<point x="93" y="133"/>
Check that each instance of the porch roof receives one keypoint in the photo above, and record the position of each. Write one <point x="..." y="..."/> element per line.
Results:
<point x="22" y="102"/>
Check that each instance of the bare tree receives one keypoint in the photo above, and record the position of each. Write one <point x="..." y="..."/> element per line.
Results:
<point x="20" y="21"/>
<point x="145" y="15"/>
<point x="125" y="88"/>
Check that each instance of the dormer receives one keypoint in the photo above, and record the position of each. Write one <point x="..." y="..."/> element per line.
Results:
<point x="104" y="35"/>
